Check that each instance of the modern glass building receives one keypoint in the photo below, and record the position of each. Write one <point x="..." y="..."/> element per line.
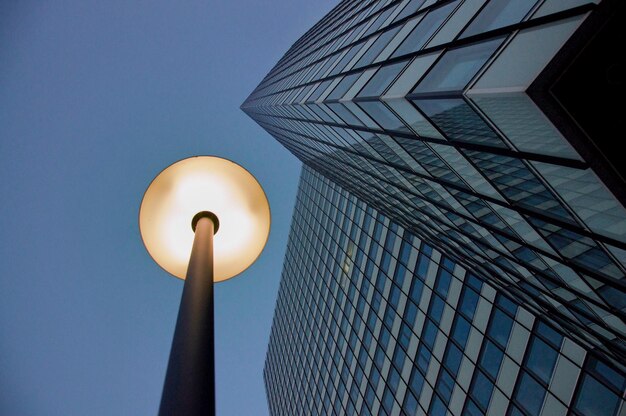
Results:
<point x="452" y="119"/>
<point x="372" y="319"/>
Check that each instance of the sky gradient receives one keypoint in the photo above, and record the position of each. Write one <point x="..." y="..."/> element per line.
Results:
<point x="96" y="98"/>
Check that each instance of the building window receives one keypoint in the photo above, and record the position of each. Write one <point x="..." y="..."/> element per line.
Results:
<point x="500" y="328"/>
<point x="600" y="390"/>
<point x="529" y="394"/>
<point x="498" y="13"/>
<point x="490" y="359"/>
<point x="541" y="359"/>
<point x="381" y="80"/>
<point x="481" y="390"/>
<point x="424" y="30"/>
<point x="457" y="67"/>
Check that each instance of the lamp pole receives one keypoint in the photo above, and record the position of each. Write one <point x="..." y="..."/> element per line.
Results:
<point x="201" y="187"/>
<point x="189" y="387"/>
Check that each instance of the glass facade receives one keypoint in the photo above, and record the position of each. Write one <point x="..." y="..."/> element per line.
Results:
<point x="418" y="113"/>
<point x="373" y="320"/>
<point x="420" y="109"/>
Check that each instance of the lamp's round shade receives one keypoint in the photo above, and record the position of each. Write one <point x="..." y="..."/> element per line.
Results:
<point x="205" y="183"/>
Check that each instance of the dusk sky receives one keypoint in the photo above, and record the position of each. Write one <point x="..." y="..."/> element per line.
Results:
<point x="96" y="98"/>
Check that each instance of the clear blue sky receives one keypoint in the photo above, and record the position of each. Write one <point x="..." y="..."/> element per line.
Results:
<point x="96" y="97"/>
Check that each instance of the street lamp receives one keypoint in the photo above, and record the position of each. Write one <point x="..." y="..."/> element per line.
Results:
<point x="181" y="213"/>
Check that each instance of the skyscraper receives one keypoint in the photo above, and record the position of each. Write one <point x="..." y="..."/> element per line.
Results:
<point x="452" y="120"/>
<point x="372" y="319"/>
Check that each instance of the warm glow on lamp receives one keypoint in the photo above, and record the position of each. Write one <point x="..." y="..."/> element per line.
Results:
<point x="205" y="183"/>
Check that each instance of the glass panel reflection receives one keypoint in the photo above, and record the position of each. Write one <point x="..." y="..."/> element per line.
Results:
<point x="457" y="67"/>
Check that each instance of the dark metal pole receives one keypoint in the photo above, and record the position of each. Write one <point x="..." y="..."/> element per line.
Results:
<point x="189" y="388"/>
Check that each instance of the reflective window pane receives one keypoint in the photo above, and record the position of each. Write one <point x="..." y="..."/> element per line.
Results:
<point x="376" y="47"/>
<point x="445" y="385"/>
<point x="491" y="358"/>
<point x="346" y="59"/>
<point x="459" y="121"/>
<point x="378" y="22"/>
<point x="381" y="80"/>
<point x="382" y="115"/>
<point x="437" y="408"/>
<point x="594" y="398"/>
<point x="471" y="409"/>
<point x="345" y="114"/>
<point x="416" y="382"/>
<point x="457" y="67"/>
<point x="343" y="86"/>
<point x="453" y="358"/>
<point x="409" y="9"/>
<point x="424" y="30"/>
<point x="529" y="394"/>
<point x="429" y="334"/>
<point x="461" y="331"/>
<point x="443" y="282"/>
<point x="423" y="358"/>
<point x="410" y="404"/>
<point x="468" y="302"/>
<point x="498" y="13"/>
<point x="500" y="328"/>
<point x="506" y="304"/>
<point x="436" y="308"/>
<point x="481" y="390"/>
<point x="541" y="359"/>
<point x="607" y="374"/>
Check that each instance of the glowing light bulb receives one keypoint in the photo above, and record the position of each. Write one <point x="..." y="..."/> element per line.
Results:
<point x="205" y="183"/>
